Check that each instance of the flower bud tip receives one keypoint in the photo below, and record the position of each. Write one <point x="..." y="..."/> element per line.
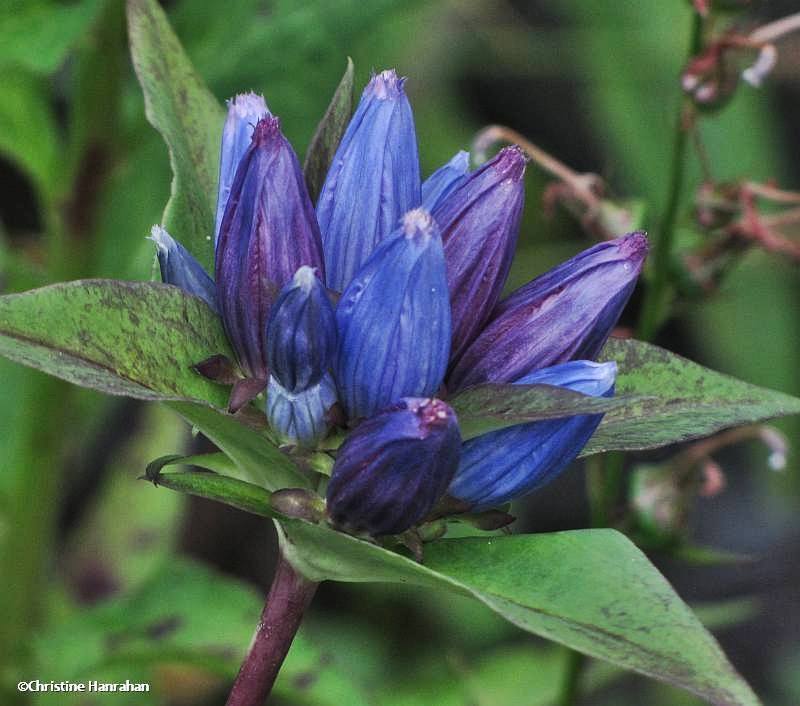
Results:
<point x="248" y="105"/>
<point x="385" y="85"/>
<point x="305" y="278"/>
<point x="432" y="412"/>
<point x="160" y="237"/>
<point x="267" y="128"/>
<point x="418" y="224"/>
<point x="634" y="246"/>
<point x="510" y="162"/>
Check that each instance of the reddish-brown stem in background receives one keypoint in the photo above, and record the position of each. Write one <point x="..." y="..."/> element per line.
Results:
<point x="288" y="599"/>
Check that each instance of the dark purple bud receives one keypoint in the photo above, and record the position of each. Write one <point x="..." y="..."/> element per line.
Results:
<point x="394" y="467"/>
<point x="446" y="179"/>
<point x="565" y="314"/>
<point x="268" y="232"/>
<point x="480" y="224"/>
<point x="244" y="111"/>
<point x="179" y="268"/>
<point x="301" y="334"/>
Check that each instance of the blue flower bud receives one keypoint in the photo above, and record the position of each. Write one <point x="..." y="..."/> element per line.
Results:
<point x="244" y="111"/>
<point x="506" y="464"/>
<point x="178" y="267"/>
<point x="446" y="179"/>
<point x="268" y="232"/>
<point x="300" y="418"/>
<point x="393" y="321"/>
<point x="394" y="467"/>
<point x="480" y="224"/>
<point x="565" y="314"/>
<point x="373" y="180"/>
<point x="301" y="334"/>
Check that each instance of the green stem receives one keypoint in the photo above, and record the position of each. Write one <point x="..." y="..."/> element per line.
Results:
<point x="657" y="292"/>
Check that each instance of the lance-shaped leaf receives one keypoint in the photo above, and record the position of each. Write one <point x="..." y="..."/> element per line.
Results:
<point x="661" y="399"/>
<point x="678" y="400"/>
<point x="328" y="134"/>
<point x="137" y="339"/>
<point x="189" y="118"/>
<point x="591" y="590"/>
<point x="485" y="408"/>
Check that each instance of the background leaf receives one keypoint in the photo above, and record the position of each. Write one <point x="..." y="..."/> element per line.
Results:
<point x="189" y="119"/>
<point x="165" y="632"/>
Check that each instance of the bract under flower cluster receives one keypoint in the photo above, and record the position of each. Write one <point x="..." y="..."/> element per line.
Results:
<point x="416" y="270"/>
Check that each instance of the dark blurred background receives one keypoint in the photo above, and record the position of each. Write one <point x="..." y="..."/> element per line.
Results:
<point x="83" y="177"/>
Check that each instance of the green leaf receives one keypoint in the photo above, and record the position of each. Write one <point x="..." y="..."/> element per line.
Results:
<point x="190" y="120"/>
<point x="257" y="458"/>
<point x="489" y="407"/>
<point x="212" y="486"/>
<point x="137" y="339"/>
<point x="36" y="36"/>
<point x="183" y="616"/>
<point x="684" y="400"/>
<point x="217" y="462"/>
<point x="32" y="144"/>
<point x="591" y="590"/>
<point x="329" y="133"/>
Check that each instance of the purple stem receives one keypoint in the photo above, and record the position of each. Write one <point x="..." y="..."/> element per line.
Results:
<point x="288" y="599"/>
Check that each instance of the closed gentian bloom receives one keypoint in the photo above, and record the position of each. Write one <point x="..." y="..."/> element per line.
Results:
<point x="565" y="314"/>
<point x="179" y="267"/>
<point x="480" y="224"/>
<point x="268" y="232"/>
<point x="301" y="418"/>
<point x="439" y="185"/>
<point x="244" y="112"/>
<point x="502" y="465"/>
<point x="394" y="467"/>
<point x="373" y="180"/>
<point x="301" y="333"/>
<point x="393" y="321"/>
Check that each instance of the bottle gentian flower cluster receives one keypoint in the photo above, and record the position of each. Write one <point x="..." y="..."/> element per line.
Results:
<point x="384" y="298"/>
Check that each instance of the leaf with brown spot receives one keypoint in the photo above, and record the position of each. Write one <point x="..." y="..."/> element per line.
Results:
<point x="189" y="118"/>
<point x="138" y="339"/>
<point x="592" y="590"/>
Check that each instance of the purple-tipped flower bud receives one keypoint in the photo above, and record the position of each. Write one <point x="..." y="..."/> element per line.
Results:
<point x="446" y="179"/>
<point x="565" y="314"/>
<point x="301" y="418"/>
<point x="301" y="334"/>
<point x="480" y="224"/>
<point x="268" y="232"/>
<point x="244" y="112"/>
<point x="178" y="267"/>
<point x="394" y="467"/>
<point x="393" y="321"/>
<point x="373" y="180"/>
<point x="506" y="464"/>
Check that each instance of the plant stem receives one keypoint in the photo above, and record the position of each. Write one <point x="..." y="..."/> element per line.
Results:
<point x="656" y="293"/>
<point x="288" y="599"/>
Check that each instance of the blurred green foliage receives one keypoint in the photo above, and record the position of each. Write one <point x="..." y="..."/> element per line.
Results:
<point x="73" y="134"/>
